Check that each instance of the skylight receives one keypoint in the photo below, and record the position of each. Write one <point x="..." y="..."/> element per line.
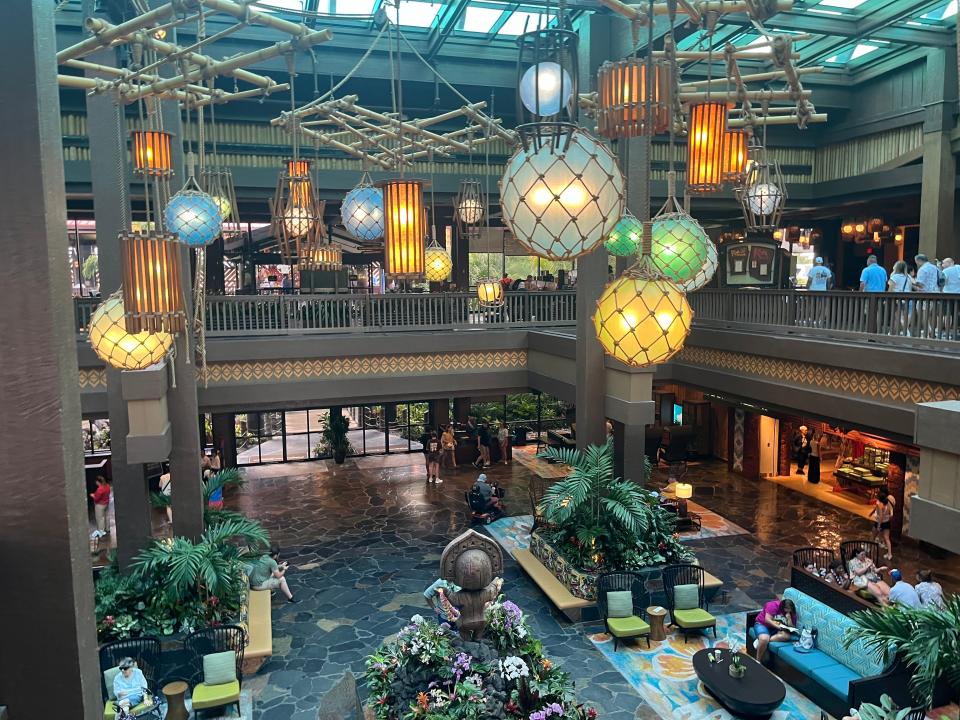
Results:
<point x="481" y="19"/>
<point x="414" y="13"/>
<point x="862" y="49"/>
<point x="845" y="4"/>
<point x="273" y="5"/>
<point x="942" y="13"/>
<point x="352" y="7"/>
<point x="521" y="22"/>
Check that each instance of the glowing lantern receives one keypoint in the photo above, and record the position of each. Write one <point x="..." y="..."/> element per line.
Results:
<point x="151" y="153"/>
<point x="152" y="294"/>
<point x="763" y="193"/>
<point x="470" y="202"/>
<point x="324" y="256"/>
<point x="621" y="99"/>
<point x="193" y="216"/>
<point x="681" y="250"/>
<point x="438" y="263"/>
<point x="561" y="193"/>
<point x="120" y="349"/>
<point x="545" y="88"/>
<point x="547" y="73"/>
<point x="848" y="229"/>
<point x="404" y="227"/>
<point x="708" y="122"/>
<point x="297" y="213"/>
<point x="624" y="240"/>
<point x="734" y="156"/>
<point x="490" y="293"/>
<point x="764" y="198"/>
<point x="362" y="211"/>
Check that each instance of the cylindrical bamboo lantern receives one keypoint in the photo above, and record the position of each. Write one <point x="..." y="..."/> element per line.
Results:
<point x="622" y="97"/>
<point x="152" y="296"/>
<point x="298" y="168"/>
<point x="490" y="293"/>
<point x="301" y="186"/>
<point x="151" y="153"/>
<point x="324" y="256"/>
<point x="734" y="156"/>
<point x="405" y="227"/>
<point x="708" y="122"/>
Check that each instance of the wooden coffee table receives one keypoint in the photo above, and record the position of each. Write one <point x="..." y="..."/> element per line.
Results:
<point x="755" y="695"/>
<point x="174" y="693"/>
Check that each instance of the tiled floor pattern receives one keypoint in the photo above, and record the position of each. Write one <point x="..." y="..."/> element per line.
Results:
<point x="364" y="539"/>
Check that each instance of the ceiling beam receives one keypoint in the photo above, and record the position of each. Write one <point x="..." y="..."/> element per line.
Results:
<point x="446" y="23"/>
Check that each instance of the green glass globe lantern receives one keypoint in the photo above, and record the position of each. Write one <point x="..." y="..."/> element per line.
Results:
<point x="682" y="251"/>
<point x="624" y="239"/>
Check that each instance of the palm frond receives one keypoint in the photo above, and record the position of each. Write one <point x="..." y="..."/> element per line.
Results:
<point x="229" y="477"/>
<point x="565" y="455"/>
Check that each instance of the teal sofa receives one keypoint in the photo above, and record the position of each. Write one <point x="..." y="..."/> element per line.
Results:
<point x="834" y="677"/>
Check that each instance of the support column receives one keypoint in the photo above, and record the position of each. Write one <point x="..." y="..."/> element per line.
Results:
<point x="439" y="413"/>
<point x="111" y="208"/>
<point x="45" y="560"/>
<point x="461" y="410"/>
<point x="461" y="260"/>
<point x="938" y="185"/>
<point x="187" y="494"/>
<point x="225" y="438"/>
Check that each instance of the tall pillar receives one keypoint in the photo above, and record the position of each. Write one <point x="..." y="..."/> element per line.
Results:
<point x="225" y="438"/>
<point x="938" y="184"/>
<point x="45" y="559"/>
<point x="461" y="260"/>
<point x="461" y="410"/>
<point x="187" y="493"/>
<point x="439" y="413"/>
<point x="111" y="208"/>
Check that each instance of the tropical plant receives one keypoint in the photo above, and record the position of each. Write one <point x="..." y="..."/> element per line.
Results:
<point x="253" y="533"/>
<point x="90" y="267"/>
<point x="599" y="520"/>
<point x="886" y="710"/>
<point x="928" y="639"/>
<point x="334" y="440"/>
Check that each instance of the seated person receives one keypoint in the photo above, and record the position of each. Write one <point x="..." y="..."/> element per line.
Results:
<point x="929" y="591"/>
<point x="865" y="575"/>
<point x="489" y="494"/>
<point x="436" y="595"/>
<point x="129" y="685"/>
<point x="267" y="574"/>
<point x="774" y="624"/>
<point x="903" y="593"/>
<point x="836" y="574"/>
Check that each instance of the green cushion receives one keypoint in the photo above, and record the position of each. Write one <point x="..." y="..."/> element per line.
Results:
<point x="108" y="677"/>
<point x="208" y="696"/>
<point x="109" y="713"/>
<point x="695" y="618"/>
<point x="686" y="597"/>
<point x="627" y="626"/>
<point x="220" y="668"/>
<point x="619" y="604"/>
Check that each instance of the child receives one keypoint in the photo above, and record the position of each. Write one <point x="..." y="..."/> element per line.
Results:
<point x="436" y="595"/>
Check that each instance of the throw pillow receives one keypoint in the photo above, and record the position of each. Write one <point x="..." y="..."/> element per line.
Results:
<point x="108" y="677"/>
<point x="219" y="668"/>
<point x="686" y="597"/>
<point x="619" y="604"/>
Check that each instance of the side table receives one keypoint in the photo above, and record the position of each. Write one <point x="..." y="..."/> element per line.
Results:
<point x="655" y="616"/>
<point x="174" y="692"/>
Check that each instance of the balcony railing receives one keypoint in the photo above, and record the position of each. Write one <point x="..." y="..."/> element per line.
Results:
<point x="248" y="315"/>
<point x="880" y="315"/>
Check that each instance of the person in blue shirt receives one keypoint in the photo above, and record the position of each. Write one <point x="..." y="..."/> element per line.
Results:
<point x="903" y="593"/>
<point x="129" y="685"/>
<point x="820" y="277"/>
<point x="874" y="277"/>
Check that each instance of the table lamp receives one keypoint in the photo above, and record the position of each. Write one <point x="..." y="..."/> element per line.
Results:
<point x="684" y="491"/>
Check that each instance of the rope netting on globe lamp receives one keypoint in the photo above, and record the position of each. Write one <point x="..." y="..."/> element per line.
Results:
<point x="362" y="211"/>
<point x="436" y="260"/>
<point x="120" y="348"/>
<point x="624" y="239"/>
<point x="217" y="180"/>
<point x="681" y="248"/>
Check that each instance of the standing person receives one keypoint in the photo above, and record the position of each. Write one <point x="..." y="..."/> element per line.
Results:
<point x="813" y="459"/>
<point x="951" y="276"/>
<point x="216" y="464"/>
<point x="929" y="591"/>
<point x="101" y="504"/>
<point x="801" y="447"/>
<point x="873" y="278"/>
<point x="424" y="447"/>
<point x="483" y="444"/>
<point x="204" y="465"/>
<point x="503" y="436"/>
<point x="267" y="574"/>
<point x="928" y="281"/>
<point x="166" y="488"/>
<point x="820" y="277"/>
<point x="448" y="445"/>
<point x="883" y="511"/>
<point x="902" y="592"/>
<point x="433" y="458"/>
<point x="900" y="280"/>
<point x="774" y="624"/>
<point x="505" y="282"/>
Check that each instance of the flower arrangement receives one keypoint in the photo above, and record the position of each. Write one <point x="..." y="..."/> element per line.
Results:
<point x="505" y="676"/>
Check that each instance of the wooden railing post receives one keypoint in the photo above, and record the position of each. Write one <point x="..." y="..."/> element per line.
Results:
<point x="872" y="313"/>
<point x="792" y="307"/>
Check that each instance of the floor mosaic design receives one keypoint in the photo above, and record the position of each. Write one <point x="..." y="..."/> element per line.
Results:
<point x="663" y="675"/>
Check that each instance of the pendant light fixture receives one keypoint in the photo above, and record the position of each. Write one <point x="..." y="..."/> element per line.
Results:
<point x="404" y="228"/>
<point x="705" y="135"/>
<point x="624" y="240"/>
<point x="151" y="153"/>
<point x="734" y="163"/>
<point x="470" y="203"/>
<point x="490" y="292"/>
<point x="763" y="193"/>
<point x="362" y="211"/>
<point x="547" y="72"/>
<point x="437" y="262"/>
<point x="217" y="180"/>
<point x="150" y="264"/>
<point x="118" y="347"/>
<point x="192" y="215"/>
<point x="621" y="99"/>
<point x="680" y="247"/>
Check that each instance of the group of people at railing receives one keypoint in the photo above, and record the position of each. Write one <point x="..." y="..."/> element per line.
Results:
<point x="926" y="275"/>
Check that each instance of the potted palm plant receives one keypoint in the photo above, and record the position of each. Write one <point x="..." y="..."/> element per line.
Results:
<point x="334" y="438"/>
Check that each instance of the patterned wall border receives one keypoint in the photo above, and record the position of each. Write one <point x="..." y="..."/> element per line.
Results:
<point x="859" y="382"/>
<point x="93" y="379"/>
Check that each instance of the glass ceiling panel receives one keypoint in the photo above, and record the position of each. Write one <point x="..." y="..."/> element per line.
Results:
<point x="351" y="7"/>
<point x="845" y="4"/>
<point x="414" y="13"/>
<point x="481" y="19"/>
<point x="522" y="21"/>
<point x="942" y="13"/>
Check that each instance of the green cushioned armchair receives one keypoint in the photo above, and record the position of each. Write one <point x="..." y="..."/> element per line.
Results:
<point x="691" y="613"/>
<point x="624" y="616"/>
<point x="145" y="652"/>
<point x="210" y="641"/>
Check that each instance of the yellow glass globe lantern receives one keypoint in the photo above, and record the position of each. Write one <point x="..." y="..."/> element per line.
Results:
<point x="120" y="349"/>
<point x="437" y="263"/>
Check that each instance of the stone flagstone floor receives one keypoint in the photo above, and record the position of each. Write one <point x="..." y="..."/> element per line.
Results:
<point x="364" y="539"/>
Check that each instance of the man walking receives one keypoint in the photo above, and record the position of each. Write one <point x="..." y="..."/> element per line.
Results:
<point x="873" y="278"/>
<point x="820" y="276"/>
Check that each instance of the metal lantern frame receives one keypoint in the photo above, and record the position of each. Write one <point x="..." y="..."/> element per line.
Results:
<point x="470" y="205"/>
<point x="622" y="99"/>
<point x="317" y="250"/>
<point x="296" y="193"/>
<point x="763" y="180"/>
<point x="151" y="280"/>
<point x="151" y="153"/>
<point x="550" y="45"/>
<point x="579" y="165"/>
<point x="405" y="228"/>
<point x="217" y="182"/>
<point x="705" y="140"/>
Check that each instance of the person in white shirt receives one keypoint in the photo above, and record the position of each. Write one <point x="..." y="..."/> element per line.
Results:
<point x="928" y="276"/>
<point x="929" y="591"/>
<point x="820" y="277"/>
<point x="928" y="281"/>
<point x="951" y="274"/>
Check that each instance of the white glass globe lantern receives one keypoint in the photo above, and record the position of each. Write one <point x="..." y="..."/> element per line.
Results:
<point x="764" y="198"/>
<point x="562" y="192"/>
<point x="545" y="88"/>
<point x="362" y="211"/>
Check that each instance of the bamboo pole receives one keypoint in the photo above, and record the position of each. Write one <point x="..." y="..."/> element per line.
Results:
<point x="777" y="120"/>
<point x="219" y="96"/>
<point x="126" y="75"/>
<point x="344" y="104"/>
<point x="97" y="86"/>
<point x="753" y="77"/>
<point x="696" y="55"/>
<point x="105" y="34"/>
<point x="754" y="95"/>
<point x="721" y="7"/>
<point x="325" y="140"/>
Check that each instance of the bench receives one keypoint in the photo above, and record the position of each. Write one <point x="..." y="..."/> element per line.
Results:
<point x="259" y="631"/>
<point x="567" y="603"/>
